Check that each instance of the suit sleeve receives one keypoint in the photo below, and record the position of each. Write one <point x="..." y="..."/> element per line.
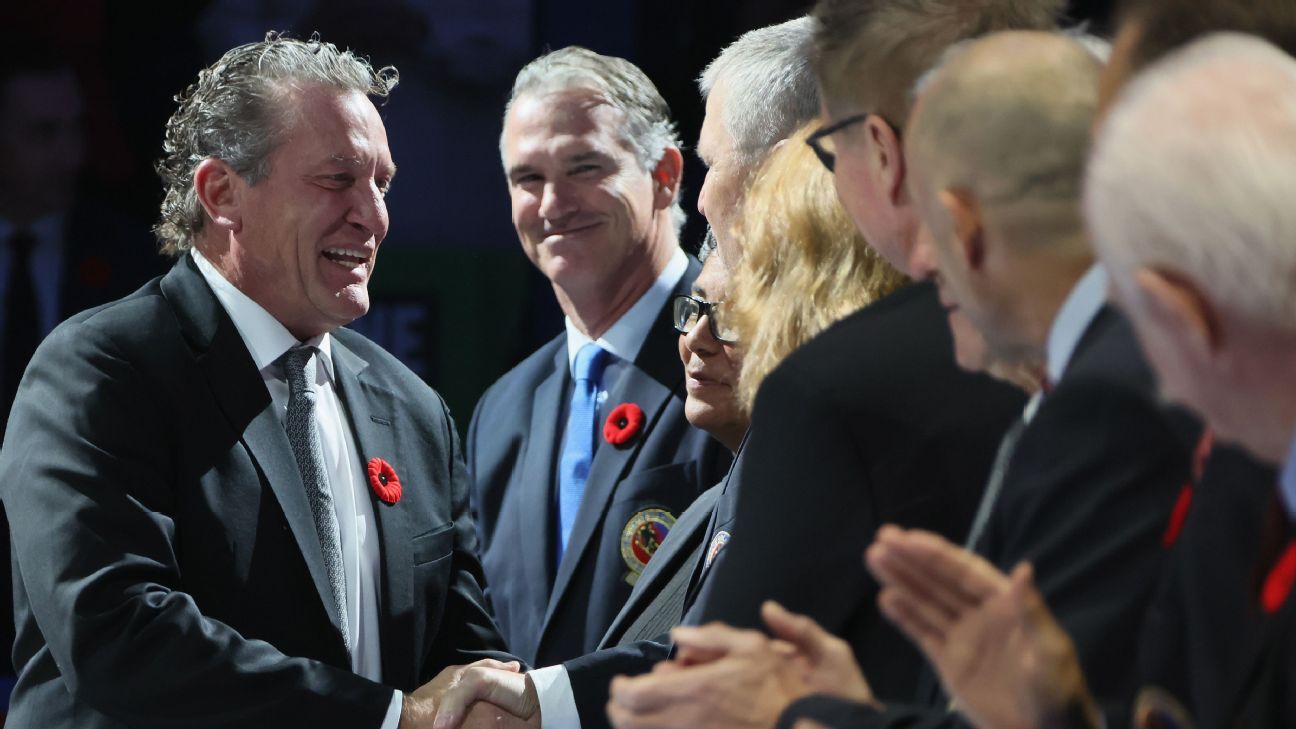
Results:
<point x="87" y="474"/>
<point x="591" y="675"/>
<point x="468" y="631"/>
<point x="838" y="713"/>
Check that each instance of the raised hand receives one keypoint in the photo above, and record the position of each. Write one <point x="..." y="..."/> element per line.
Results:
<point x="996" y="647"/>
<point x="827" y="662"/>
<point x="723" y="677"/>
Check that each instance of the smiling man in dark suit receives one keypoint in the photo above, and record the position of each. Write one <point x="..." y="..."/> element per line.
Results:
<point x="202" y="478"/>
<point x="585" y="442"/>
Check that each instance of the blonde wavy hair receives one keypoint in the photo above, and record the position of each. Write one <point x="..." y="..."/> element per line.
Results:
<point x="804" y="265"/>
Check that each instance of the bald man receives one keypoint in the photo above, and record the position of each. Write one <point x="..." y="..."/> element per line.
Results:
<point x="996" y="147"/>
<point x="1208" y="289"/>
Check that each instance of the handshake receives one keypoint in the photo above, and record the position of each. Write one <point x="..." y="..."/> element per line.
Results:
<point x="487" y="693"/>
<point x="720" y="677"/>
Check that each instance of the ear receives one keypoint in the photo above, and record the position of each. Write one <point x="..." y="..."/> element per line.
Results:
<point x="1174" y="303"/>
<point x="965" y="222"/>
<point x="888" y="157"/>
<point x="666" y="178"/>
<point x="216" y="185"/>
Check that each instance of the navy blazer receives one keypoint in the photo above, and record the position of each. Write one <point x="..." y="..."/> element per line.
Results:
<point x="166" y="566"/>
<point x="549" y="615"/>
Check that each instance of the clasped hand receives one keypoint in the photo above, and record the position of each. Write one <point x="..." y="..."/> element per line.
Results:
<point x="487" y="693"/>
<point x="726" y="677"/>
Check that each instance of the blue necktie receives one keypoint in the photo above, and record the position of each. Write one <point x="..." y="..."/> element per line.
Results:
<point x="578" y="442"/>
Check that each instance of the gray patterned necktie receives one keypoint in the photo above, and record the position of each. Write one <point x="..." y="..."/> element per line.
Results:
<point x="304" y="437"/>
<point x="1007" y="446"/>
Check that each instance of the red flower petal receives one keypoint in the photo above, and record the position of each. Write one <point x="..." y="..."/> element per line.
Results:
<point x="384" y="481"/>
<point x="623" y="423"/>
<point x="1279" y="582"/>
<point x="1178" y="515"/>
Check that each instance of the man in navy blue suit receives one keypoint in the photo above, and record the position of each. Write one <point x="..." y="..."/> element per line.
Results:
<point x="583" y="447"/>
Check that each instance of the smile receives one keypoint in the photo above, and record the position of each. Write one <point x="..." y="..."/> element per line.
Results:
<point x="346" y="257"/>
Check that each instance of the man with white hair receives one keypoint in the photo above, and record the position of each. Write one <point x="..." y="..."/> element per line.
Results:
<point x="1188" y="200"/>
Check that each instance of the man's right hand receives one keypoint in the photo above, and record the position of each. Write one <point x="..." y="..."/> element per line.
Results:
<point x="998" y="650"/>
<point x="488" y="694"/>
<point x="456" y="688"/>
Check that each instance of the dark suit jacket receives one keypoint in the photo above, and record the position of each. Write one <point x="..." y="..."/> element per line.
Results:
<point x="167" y="571"/>
<point x="105" y="257"/>
<point x="1207" y="642"/>
<point x="549" y="616"/>
<point x="1087" y="499"/>
<point x="656" y="603"/>
<point x="639" y="636"/>
<point x="871" y="422"/>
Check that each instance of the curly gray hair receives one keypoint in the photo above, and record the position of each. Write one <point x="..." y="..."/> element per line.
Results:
<point x="234" y="112"/>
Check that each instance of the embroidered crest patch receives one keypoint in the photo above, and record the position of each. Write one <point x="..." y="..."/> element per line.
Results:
<point x="718" y="543"/>
<point x="641" y="537"/>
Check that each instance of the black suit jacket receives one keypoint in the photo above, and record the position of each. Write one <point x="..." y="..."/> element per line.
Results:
<point x="871" y="422"/>
<point x="1087" y="499"/>
<point x="1207" y="642"/>
<point x="550" y="615"/>
<point x="167" y="571"/>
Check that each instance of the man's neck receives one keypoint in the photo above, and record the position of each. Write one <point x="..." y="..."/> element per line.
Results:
<point x="1044" y="284"/>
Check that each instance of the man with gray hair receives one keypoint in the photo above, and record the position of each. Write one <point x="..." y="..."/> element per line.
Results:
<point x="227" y="509"/>
<point x="581" y="456"/>
<point x="758" y="91"/>
<point x="1188" y="199"/>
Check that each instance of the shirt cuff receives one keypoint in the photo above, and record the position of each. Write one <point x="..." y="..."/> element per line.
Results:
<point x="392" y="720"/>
<point x="557" y="702"/>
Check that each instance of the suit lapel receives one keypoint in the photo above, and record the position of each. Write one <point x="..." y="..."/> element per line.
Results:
<point x="671" y="558"/>
<point x="535" y="525"/>
<point x="242" y="395"/>
<point x="371" y="411"/>
<point x="650" y="383"/>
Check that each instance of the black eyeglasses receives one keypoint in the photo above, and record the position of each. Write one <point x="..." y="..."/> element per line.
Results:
<point x="689" y="309"/>
<point x="826" y="156"/>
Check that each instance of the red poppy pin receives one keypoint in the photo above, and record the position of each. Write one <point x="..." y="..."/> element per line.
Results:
<point x="385" y="482"/>
<point x="623" y="423"/>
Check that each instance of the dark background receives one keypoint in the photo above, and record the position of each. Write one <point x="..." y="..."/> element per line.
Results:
<point x="454" y="297"/>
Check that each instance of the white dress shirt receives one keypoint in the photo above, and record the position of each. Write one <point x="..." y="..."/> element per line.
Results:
<point x="623" y="339"/>
<point x="267" y="340"/>
<point x="1077" y="312"/>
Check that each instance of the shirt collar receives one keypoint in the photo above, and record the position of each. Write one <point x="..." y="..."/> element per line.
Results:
<point x="1288" y="481"/>
<point x="264" y="336"/>
<point x="1078" y="311"/>
<point x="626" y="335"/>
